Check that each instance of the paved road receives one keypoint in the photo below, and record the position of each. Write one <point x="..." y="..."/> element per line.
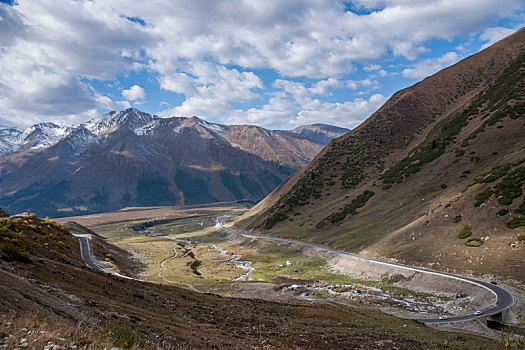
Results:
<point x="504" y="298"/>
<point x="86" y="253"/>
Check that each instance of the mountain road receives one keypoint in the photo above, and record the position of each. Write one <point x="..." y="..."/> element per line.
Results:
<point x="504" y="299"/>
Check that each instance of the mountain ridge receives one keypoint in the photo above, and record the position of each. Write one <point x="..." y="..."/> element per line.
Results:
<point x="410" y="152"/>
<point x="133" y="158"/>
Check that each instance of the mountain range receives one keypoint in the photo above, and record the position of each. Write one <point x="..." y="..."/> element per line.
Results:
<point x="38" y="136"/>
<point x="435" y="177"/>
<point x="131" y="158"/>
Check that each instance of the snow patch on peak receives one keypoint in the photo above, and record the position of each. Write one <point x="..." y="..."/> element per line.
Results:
<point x="81" y="139"/>
<point x="43" y="135"/>
<point x="9" y="134"/>
<point x="178" y="129"/>
<point x="145" y="129"/>
<point x="210" y="126"/>
<point x="140" y="123"/>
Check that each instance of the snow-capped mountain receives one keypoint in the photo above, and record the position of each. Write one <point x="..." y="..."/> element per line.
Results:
<point x="38" y="136"/>
<point x="8" y="138"/>
<point x="133" y="158"/>
<point x="139" y="122"/>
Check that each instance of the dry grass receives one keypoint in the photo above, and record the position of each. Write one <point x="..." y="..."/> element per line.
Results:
<point x="35" y="331"/>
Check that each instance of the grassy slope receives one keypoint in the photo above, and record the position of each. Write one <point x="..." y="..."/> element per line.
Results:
<point x="438" y="161"/>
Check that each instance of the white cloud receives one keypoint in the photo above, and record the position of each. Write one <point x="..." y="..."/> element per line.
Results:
<point x="209" y="89"/>
<point x="283" y="113"/>
<point x="207" y="51"/>
<point x="492" y="35"/>
<point x="300" y="92"/>
<point x="53" y="48"/>
<point x="304" y="108"/>
<point x="428" y="67"/>
<point x="372" y="67"/>
<point x="134" y="93"/>
<point x="366" y="83"/>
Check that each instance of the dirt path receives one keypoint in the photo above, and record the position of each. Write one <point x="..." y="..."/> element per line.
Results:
<point x="164" y="269"/>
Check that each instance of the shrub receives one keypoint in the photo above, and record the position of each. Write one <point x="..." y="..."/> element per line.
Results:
<point x="11" y="252"/>
<point x="502" y="212"/>
<point x="443" y="186"/>
<point x="351" y="208"/>
<point x="482" y="197"/>
<point x="516" y="222"/>
<point x="457" y="219"/>
<point x="465" y="232"/>
<point x="496" y="173"/>
<point x="521" y="238"/>
<point x="474" y="242"/>
<point x="509" y="188"/>
<point x="274" y="220"/>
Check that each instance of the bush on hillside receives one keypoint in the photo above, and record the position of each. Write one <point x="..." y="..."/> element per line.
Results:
<point x="11" y="252"/>
<point x="474" y="242"/>
<point x="516" y="222"/>
<point x="465" y="232"/>
<point x="484" y="196"/>
<point x="502" y="212"/>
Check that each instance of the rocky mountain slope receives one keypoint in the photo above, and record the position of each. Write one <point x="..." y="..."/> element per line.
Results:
<point x="131" y="158"/>
<point x="434" y="177"/>
<point x="43" y="277"/>
<point x="38" y="136"/>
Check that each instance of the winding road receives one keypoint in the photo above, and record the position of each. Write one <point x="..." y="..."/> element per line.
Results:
<point x="504" y="299"/>
<point x="85" y="252"/>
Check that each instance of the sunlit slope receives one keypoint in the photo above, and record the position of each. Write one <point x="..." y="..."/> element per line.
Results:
<point x="412" y="176"/>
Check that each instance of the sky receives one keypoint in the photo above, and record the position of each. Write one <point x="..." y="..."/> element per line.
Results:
<point x="276" y="64"/>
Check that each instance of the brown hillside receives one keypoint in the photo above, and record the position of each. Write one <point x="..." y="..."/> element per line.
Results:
<point x="41" y="271"/>
<point x="369" y="189"/>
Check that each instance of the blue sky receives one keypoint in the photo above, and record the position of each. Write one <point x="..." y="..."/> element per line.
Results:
<point x="277" y="64"/>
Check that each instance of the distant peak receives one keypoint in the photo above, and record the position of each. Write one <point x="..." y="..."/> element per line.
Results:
<point x="136" y="120"/>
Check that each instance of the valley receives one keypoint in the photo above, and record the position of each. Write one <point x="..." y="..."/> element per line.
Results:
<point x="194" y="249"/>
<point x="434" y="178"/>
<point x="261" y="227"/>
<point x="46" y="290"/>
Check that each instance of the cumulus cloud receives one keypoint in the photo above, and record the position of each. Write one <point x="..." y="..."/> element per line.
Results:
<point x="134" y="93"/>
<point x="210" y="52"/>
<point x="492" y="35"/>
<point x="430" y="66"/>
<point x="283" y="113"/>
<point x="210" y="89"/>
<point x="53" y="48"/>
<point x="294" y="103"/>
<point x="372" y="67"/>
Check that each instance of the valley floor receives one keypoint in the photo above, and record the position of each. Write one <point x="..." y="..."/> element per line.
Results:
<point x="186" y="248"/>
